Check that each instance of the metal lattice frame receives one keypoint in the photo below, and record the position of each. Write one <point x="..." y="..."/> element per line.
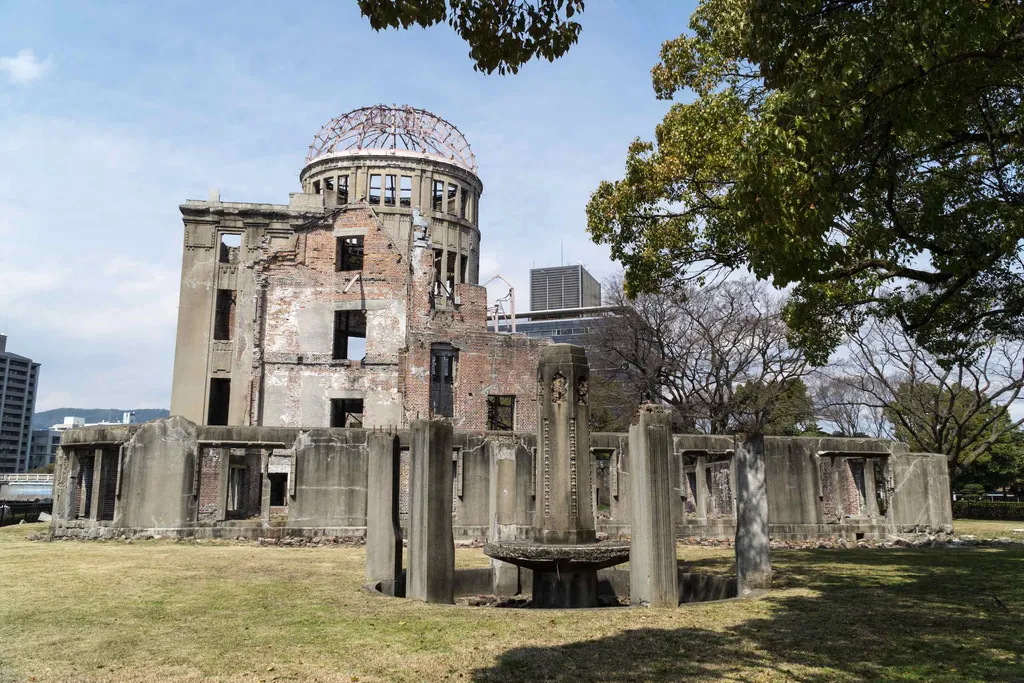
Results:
<point x="393" y="127"/>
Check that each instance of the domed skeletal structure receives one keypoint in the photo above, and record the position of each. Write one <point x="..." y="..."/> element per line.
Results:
<point x="393" y="127"/>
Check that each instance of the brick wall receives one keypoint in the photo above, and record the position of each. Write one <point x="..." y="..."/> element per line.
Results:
<point x="209" y="483"/>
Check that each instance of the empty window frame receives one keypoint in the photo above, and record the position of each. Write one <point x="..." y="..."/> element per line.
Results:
<point x="501" y="413"/>
<point x="390" y="190"/>
<point x="444" y="360"/>
<point x="405" y="192"/>
<point x="375" y="188"/>
<point x="230" y="244"/>
<point x="220" y="399"/>
<point x="328" y="185"/>
<point x="349" y="253"/>
<point x="224" y="318"/>
<point x="347" y="412"/>
<point x="463" y="200"/>
<point x="278" y="489"/>
<point x="437" y="196"/>
<point x="453" y="194"/>
<point x="463" y="268"/>
<point x="316" y="187"/>
<point x="349" y="335"/>
<point x="343" y="189"/>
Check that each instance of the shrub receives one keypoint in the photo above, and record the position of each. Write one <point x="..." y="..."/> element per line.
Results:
<point x="985" y="509"/>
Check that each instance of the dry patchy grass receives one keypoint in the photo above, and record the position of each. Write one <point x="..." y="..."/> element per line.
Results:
<point x="988" y="528"/>
<point x="157" y="611"/>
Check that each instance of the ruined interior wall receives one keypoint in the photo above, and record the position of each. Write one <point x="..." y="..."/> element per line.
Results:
<point x="488" y="365"/>
<point x="303" y="291"/>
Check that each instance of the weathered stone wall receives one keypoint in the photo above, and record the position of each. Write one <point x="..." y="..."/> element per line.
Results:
<point x="170" y="476"/>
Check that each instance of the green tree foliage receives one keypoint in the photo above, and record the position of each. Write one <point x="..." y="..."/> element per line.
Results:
<point x="502" y="34"/>
<point x="1000" y="467"/>
<point x="775" y="409"/>
<point x="868" y="153"/>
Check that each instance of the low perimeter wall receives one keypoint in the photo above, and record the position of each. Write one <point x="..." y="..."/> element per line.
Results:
<point x="174" y="478"/>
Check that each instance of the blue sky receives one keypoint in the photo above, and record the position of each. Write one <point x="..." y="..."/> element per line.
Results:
<point x="112" y="114"/>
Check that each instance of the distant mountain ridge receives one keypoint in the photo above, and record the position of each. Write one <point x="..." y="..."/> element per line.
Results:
<point x="48" y="418"/>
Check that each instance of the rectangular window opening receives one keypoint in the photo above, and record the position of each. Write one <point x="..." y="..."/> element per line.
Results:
<point x="347" y="412"/>
<point x="390" y="189"/>
<point x="220" y="397"/>
<point x="316" y="187"/>
<point x="405" y="192"/>
<point x="349" y="253"/>
<point x="328" y="185"/>
<point x="453" y="193"/>
<point x="375" y="188"/>
<point x="437" y="196"/>
<point x="230" y="244"/>
<point x="349" y="335"/>
<point x="501" y="411"/>
<point x="224" y="319"/>
<point x="343" y="189"/>
<point x="444" y="362"/>
<point x="278" y="487"/>
<point x="464" y="268"/>
<point x="463" y="197"/>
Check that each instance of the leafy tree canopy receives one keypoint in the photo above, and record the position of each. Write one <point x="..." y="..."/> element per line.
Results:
<point x="502" y="34"/>
<point x="869" y="153"/>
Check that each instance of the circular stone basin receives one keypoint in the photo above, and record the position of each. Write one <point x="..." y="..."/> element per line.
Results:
<point x="549" y="557"/>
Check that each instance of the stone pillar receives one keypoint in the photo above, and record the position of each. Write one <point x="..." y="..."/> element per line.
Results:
<point x="265" y="487"/>
<point x="383" y="530"/>
<point x="565" y="513"/>
<point x="97" y="484"/>
<point x="222" y="484"/>
<point x="502" y="452"/>
<point x="431" y="575"/>
<point x="701" y="495"/>
<point x="753" y="552"/>
<point x="652" y="550"/>
<point x="870" y="494"/>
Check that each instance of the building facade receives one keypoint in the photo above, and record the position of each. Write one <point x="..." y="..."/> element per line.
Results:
<point x="44" y="448"/>
<point x="19" y="377"/>
<point x="356" y="304"/>
<point x="562" y="287"/>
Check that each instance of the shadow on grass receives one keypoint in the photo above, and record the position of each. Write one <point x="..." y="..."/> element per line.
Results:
<point x="916" y="614"/>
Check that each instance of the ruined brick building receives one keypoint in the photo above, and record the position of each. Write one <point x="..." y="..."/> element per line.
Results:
<point x="356" y="303"/>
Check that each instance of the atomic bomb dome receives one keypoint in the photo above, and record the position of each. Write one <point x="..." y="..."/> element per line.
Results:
<point x="383" y="127"/>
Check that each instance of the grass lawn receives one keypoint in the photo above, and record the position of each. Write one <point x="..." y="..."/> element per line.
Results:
<point x="986" y="528"/>
<point x="158" y="611"/>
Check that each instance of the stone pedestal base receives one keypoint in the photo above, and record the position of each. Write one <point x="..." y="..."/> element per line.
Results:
<point x="565" y="589"/>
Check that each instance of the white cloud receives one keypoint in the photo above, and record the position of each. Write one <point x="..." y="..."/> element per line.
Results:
<point x="24" y="68"/>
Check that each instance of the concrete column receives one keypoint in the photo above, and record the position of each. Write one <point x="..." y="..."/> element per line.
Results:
<point x="837" y="495"/>
<point x="652" y="550"/>
<point x="502" y="456"/>
<point x="383" y="530"/>
<point x="701" y="495"/>
<point x="222" y="484"/>
<point x="753" y="552"/>
<point x="870" y="495"/>
<point x="431" y="575"/>
<point x="97" y="471"/>
<point x="265" y="487"/>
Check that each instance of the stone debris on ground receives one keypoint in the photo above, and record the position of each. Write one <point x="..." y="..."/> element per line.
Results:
<point x="916" y="541"/>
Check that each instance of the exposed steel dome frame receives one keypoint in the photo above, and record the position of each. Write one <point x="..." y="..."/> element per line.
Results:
<point x="393" y="127"/>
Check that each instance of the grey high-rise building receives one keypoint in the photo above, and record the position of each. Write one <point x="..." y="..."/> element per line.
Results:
<point x="18" y="379"/>
<point x="563" y="287"/>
